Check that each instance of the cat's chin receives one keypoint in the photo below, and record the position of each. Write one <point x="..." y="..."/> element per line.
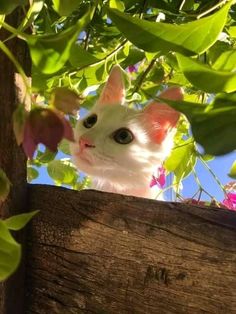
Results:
<point x="83" y="163"/>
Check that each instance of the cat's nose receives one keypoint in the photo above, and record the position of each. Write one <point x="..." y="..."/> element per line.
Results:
<point x="85" y="142"/>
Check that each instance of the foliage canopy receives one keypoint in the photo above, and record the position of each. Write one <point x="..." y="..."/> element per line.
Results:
<point x="74" y="44"/>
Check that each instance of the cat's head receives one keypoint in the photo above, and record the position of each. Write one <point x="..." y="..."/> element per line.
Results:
<point x="120" y="144"/>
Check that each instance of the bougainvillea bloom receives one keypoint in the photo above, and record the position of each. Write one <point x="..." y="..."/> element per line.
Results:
<point x="132" y="68"/>
<point x="45" y="126"/>
<point x="160" y="180"/>
<point x="230" y="201"/>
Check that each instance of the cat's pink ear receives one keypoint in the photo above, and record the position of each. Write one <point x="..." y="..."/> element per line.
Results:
<point x="160" y="117"/>
<point x="114" y="91"/>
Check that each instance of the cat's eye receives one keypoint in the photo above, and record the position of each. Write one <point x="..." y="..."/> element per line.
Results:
<point x="90" y="121"/>
<point x="123" y="136"/>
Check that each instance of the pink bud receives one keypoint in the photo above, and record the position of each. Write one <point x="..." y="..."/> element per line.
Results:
<point x="45" y="126"/>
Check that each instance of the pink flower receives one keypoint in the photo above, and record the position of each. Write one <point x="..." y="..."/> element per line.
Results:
<point x="230" y="201"/>
<point x="45" y="126"/>
<point x="132" y="68"/>
<point x="160" y="180"/>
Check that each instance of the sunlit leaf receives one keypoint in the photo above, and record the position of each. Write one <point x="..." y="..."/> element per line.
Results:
<point x="65" y="7"/>
<point x="50" y="52"/>
<point x="10" y="252"/>
<point x="182" y="159"/>
<point x="32" y="174"/>
<point x="79" y="57"/>
<point x="190" y="38"/>
<point x="206" y="78"/>
<point x="62" y="171"/>
<point x="32" y="14"/>
<point x="117" y="4"/>
<point x="212" y="125"/>
<point x="226" y="61"/>
<point x="2" y="18"/>
<point x="232" y="172"/>
<point x="64" y="147"/>
<point x="46" y="156"/>
<point x="18" y="222"/>
<point x="232" y="31"/>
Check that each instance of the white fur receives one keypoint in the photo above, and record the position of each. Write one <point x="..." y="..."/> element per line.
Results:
<point x="127" y="168"/>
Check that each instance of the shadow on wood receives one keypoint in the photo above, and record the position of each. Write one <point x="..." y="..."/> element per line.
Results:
<point x="94" y="252"/>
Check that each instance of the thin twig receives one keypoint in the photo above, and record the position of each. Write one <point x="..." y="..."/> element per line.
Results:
<point x="212" y="8"/>
<point x="181" y="5"/>
<point x="86" y="41"/>
<point x="213" y="174"/>
<point x="143" y="76"/>
<point x="101" y="60"/>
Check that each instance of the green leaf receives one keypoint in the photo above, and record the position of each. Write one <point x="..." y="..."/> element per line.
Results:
<point x="64" y="147"/>
<point x="182" y="159"/>
<point x="206" y="78"/>
<point x="49" y="53"/>
<point x="2" y="18"/>
<point x="32" y="14"/>
<point x="226" y="61"/>
<point x="190" y="38"/>
<point x="7" y="6"/>
<point x="18" y="222"/>
<point x="207" y="157"/>
<point x="10" y="252"/>
<point x="232" y="173"/>
<point x="80" y="57"/>
<point x="32" y="174"/>
<point x="214" y="125"/>
<point x="117" y="4"/>
<point x="135" y="55"/>
<point x="92" y="75"/>
<point x="232" y="31"/>
<point x="4" y="186"/>
<point x="46" y="156"/>
<point x="62" y="171"/>
<point x="65" y="7"/>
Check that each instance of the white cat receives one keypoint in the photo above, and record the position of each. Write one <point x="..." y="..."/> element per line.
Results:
<point x="120" y="148"/>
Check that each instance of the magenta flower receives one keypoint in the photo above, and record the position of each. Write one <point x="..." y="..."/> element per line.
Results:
<point x="45" y="126"/>
<point x="230" y="201"/>
<point x="132" y="68"/>
<point x="160" y="180"/>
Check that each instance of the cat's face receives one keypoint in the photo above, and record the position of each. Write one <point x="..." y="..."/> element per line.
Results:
<point x="120" y="144"/>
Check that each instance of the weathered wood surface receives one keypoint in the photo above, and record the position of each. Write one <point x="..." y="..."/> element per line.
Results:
<point x="94" y="252"/>
<point x="12" y="158"/>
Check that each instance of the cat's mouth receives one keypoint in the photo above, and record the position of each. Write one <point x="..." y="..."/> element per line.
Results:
<point x="84" y="158"/>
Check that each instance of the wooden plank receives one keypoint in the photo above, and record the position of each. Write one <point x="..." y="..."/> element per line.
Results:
<point x="12" y="158"/>
<point x="94" y="252"/>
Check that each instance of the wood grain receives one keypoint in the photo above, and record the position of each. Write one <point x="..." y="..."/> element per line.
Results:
<point x="94" y="252"/>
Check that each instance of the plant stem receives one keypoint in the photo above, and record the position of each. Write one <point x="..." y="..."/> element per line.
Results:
<point x="213" y="174"/>
<point x="143" y="76"/>
<point x="212" y="8"/>
<point x="119" y="47"/>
